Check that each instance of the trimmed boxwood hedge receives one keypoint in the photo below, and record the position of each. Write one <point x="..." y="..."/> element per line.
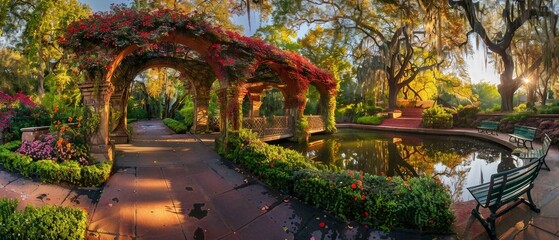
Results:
<point x="370" y="120"/>
<point x="385" y="203"/>
<point x="47" y="222"/>
<point x="175" y="125"/>
<point x="53" y="172"/>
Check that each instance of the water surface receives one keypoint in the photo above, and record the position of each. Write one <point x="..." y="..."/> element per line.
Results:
<point x="459" y="162"/>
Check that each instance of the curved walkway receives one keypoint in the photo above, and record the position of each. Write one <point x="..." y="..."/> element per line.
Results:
<point x="169" y="186"/>
<point x="519" y="223"/>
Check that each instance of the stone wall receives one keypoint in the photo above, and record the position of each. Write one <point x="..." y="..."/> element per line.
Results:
<point x="33" y="133"/>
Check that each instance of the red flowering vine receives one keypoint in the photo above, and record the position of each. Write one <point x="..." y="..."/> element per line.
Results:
<point x="97" y="40"/>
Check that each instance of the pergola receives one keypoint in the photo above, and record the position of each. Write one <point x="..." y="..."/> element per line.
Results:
<point x="113" y="47"/>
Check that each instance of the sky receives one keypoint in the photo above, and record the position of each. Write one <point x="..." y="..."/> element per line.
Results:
<point x="478" y="69"/>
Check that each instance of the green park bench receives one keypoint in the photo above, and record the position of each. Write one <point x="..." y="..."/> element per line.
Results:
<point x="505" y="187"/>
<point x="523" y="134"/>
<point x="531" y="154"/>
<point x="489" y="127"/>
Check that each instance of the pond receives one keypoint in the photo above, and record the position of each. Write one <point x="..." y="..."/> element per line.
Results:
<point x="459" y="162"/>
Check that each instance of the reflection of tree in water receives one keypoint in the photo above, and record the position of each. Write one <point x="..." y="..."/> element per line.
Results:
<point x="463" y="148"/>
<point x="398" y="164"/>
<point x="507" y="163"/>
<point x="447" y="157"/>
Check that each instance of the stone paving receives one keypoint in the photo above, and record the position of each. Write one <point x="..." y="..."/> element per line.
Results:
<point x="169" y="186"/>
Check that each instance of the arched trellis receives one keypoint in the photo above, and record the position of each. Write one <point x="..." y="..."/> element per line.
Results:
<point x="103" y="42"/>
<point x="199" y="78"/>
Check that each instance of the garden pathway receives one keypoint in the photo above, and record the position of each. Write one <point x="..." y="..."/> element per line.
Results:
<point x="174" y="186"/>
<point x="169" y="186"/>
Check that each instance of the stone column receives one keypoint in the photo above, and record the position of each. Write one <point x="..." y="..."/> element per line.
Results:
<point x="294" y="109"/>
<point x="235" y="95"/>
<point x="201" y="106"/>
<point x="119" y="133"/>
<point x="96" y="98"/>
<point x="222" y="100"/>
<point x="328" y="102"/>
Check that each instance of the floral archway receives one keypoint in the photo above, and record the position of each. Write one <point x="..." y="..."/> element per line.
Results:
<point x="103" y="41"/>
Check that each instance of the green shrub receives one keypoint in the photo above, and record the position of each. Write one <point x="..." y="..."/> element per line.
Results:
<point x="517" y="116"/>
<point x="275" y="165"/>
<point x="47" y="222"/>
<point x="136" y="110"/>
<point x="383" y="202"/>
<point x="175" y="125"/>
<point x="186" y="115"/>
<point x="549" y="110"/>
<point x="371" y="120"/>
<point x="12" y="146"/>
<point x="351" y="112"/>
<point x="97" y="174"/>
<point x="466" y="115"/>
<point x="436" y="117"/>
<point x="468" y="111"/>
<point x="56" y="172"/>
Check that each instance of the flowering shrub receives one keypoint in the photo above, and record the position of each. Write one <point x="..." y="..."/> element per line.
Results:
<point x="71" y="143"/>
<point x="383" y="202"/>
<point x="38" y="149"/>
<point x="19" y="111"/>
<point x="54" y="171"/>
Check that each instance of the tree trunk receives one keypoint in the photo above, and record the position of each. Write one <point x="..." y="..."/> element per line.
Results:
<point x="392" y="94"/>
<point x="507" y="95"/>
<point x="508" y="85"/>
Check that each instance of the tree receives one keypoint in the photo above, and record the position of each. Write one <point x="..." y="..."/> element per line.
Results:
<point x="34" y="26"/>
<point x="164" y="86"/>
<point x="15" y="74"/>
<point x="487" y="94"/>
<point x="279" y="36"/>
<point x="390" y="31"/>
<point x="496" y="24"/>
<point x="327" y="49"/>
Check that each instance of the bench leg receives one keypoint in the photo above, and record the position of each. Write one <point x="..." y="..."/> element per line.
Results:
<point x="488" y="224"/>
<point x="531" y="203"/>
<point x="545" y="164"/>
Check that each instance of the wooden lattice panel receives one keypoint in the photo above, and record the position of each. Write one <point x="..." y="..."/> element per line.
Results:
<point x="316" y="123"/>
<point x="280" y="122"/>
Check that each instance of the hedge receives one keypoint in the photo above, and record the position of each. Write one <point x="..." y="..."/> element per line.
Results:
<point x="47" y="222"/>
<point x="385" y="203"/>
<point x="175" y="125"/>
<point x="48" y="171"/>
<point x="370" y="120"/>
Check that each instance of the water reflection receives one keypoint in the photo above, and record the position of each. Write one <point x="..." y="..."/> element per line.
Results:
<point x="459" y="162"/>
